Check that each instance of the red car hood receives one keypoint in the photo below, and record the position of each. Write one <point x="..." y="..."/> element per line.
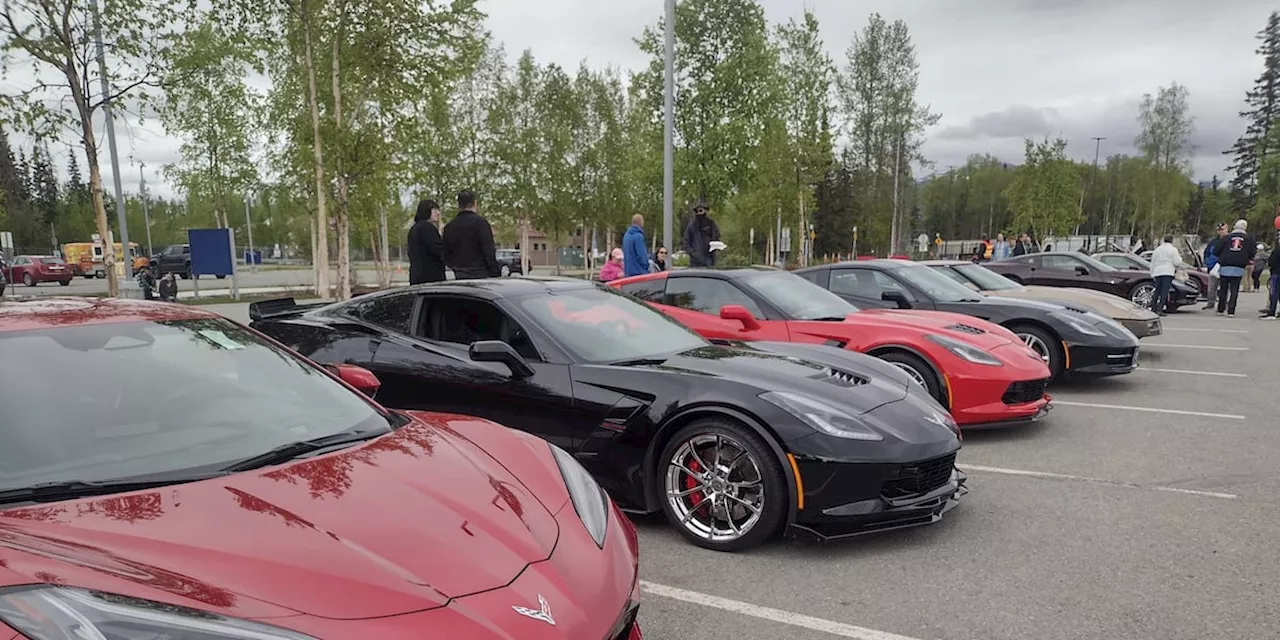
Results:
<point x="938" y="322"/>
<point x="402" y="523"/>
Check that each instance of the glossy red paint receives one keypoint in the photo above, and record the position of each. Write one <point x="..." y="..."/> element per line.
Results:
<point x="976" y="391"/>
<point x="38" y="270"/>
<point x="360" y="378"/>
<point x="437" y="529"/>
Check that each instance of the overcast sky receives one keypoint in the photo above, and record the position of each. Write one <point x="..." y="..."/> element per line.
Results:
<point x="997" y="70"/>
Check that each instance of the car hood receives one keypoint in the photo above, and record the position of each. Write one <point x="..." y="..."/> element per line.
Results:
<point x="833" y="376"/>
<point x="1103" y="303"/>
<point x="402" y="523"/>
<point x="967" y="329"/>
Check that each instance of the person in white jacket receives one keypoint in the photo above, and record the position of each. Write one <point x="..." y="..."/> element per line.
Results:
<point x="1164" y="264"/>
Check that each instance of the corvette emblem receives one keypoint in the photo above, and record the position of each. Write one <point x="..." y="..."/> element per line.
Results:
<point x="543" y="613"/>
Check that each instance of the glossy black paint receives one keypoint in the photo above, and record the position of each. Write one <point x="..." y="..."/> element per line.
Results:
<point x="616" y="418"/>
<point x="1008" y="312"/>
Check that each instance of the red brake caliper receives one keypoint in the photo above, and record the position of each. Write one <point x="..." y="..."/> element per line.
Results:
<point x="690" y="482"/>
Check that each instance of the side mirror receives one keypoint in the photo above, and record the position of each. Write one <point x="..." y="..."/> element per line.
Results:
<point x="1082" y="271"/>
<point x="499" y="351"/>
<point x="359" y="377"/>
<point x="739" y="313"/>
<point x="897" y="297"/>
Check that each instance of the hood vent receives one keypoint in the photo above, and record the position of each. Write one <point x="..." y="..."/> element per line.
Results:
<point x="964" y="328"/>
<point x="840" y="378"/>
<point x="1075" y="309"/>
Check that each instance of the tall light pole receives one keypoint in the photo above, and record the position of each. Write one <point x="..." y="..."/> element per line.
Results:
<point x="1097" y="147"/>
<point x="146" y="213"/>
<point x="108" y="111"/>
<point x="668" y="130"/>
<point x="248" y="224"/>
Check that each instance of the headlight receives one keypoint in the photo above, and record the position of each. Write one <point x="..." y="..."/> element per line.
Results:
<point x="821" y="416"/>
<point x="589" y="500"/>
<point x="44" y="612"/>
<point x="1078" y="324"/>
<point x="970" y="353"/>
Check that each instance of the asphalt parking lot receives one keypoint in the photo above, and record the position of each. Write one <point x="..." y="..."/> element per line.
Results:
<point x="1143" y="507"/>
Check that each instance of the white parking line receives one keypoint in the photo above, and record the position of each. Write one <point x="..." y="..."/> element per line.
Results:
<point x="1063" y="476"/>
<point x="1206" y="330"/>
<point x="838" y="629"/>
<point x="1176" y="412"/>
<point x="1192" y="346"/>
<point x="1194" y="373"/>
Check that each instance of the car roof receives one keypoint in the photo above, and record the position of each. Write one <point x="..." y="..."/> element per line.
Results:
<point x="493" y="288"/>
<point x="34" y="313"/>
<point x="882" y="264"/>
<point x="718" y="274"/>
<point x="944" y="263"/>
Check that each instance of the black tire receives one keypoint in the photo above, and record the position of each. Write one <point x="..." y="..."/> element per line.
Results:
<point x="101" y="275"/>
<point x="65" y="283"/>
<point x="1053" y="349"/>
<point x="777" y="501"/>
<point x="28" y="280"/>
<point x="920" y="371"/>
<point x="221" y="277"/>
<point x="1136" y="292"/>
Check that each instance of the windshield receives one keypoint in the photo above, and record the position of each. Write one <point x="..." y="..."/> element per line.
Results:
<point x="936" y="285"/>
<point x="103" y="402"/>
<point x="1095" y="263"/>
<point x="798" y="298"/>
<point x="986" y="279"/>
<point x="599" y="326"/>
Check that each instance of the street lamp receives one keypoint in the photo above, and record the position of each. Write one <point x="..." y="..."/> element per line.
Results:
<point x="668" y="130"/>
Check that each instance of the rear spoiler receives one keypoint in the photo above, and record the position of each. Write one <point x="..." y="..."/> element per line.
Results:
<point x="279" y="308"/>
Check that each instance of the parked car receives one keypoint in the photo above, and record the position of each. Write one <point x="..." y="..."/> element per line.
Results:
<point x="1072" y="269"/>
<point x="509" y="262"/>
<point x="981" y="372"/>
<point x="1186" y="274"/>
<point x="261" y="496"/>
<point x="1070" y="340"/>
<point x="175" y="258"/>
<point x="733" y="445"/>
<point x="1141" y="322"/>
<point x="35" y="270"/>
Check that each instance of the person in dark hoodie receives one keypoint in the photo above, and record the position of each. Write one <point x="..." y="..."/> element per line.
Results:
<point x="426" y="247"/>
<point x="699" y="235"/>
<point x="1273" y="283"/>
<point x="1234" y="252"/>
<point x="468" y="242"/>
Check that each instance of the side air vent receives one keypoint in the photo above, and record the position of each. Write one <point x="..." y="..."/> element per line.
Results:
<point x="841" y="378"/>
<point x="964" y="328"/>
<point x="1075" y="309"/>
<point x="839" y="344"/>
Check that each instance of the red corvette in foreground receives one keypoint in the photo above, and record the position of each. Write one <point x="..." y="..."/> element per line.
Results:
<point x="206" y="483"/>
<point x="980" y="371"/>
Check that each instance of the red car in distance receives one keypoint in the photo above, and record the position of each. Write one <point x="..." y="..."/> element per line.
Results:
<point x="979" y="371"/>
<point x="207" y="483"/>
<point x="34" y="270"/>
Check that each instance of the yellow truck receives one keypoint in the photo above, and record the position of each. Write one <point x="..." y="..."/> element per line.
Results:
<point x="86" y="258"/>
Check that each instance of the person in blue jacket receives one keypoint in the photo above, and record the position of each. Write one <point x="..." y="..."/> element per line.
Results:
<point x="1211" y="261"/>
<point x="635" y="252"/>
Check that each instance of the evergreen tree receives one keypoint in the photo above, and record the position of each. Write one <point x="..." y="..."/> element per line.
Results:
<point x="1262" y="107"/>
<point x="44" y="194"/>
<point x="11" y="182"/>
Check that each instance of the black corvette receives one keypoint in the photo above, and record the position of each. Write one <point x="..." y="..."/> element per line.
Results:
<point x="1070" y="339"/>
<point x="733" y="444"/>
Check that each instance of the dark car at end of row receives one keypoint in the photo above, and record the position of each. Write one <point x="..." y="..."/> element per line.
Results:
<point x="1073" y="269"/>
<point x="732" y="444"/>
<point x="1070" y="340"/>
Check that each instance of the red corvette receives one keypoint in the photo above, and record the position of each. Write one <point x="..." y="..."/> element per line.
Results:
<point x="207" y="483"/>
<point x="982" y="372"/>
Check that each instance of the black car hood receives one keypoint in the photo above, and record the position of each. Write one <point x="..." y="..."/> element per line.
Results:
<point x="833" y="377"/>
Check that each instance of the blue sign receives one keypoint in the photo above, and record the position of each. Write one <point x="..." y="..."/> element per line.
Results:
<point x="212" y="252"/>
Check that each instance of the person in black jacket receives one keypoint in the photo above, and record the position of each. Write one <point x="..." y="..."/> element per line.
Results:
<point x="1234" y="252"/>
<point x="468" y="242"/>
<point x="699" y="235"/>
<point x="426" y="248"/>
<point x="1273" y="283"/>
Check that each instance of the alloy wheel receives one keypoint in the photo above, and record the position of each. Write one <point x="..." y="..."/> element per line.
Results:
<point x="1143" y="294"/>
<point x="913" y="373"/>
<point x="1037" y="345"/>
<point x="505" y="271"/>
<point x="715" y="488"/>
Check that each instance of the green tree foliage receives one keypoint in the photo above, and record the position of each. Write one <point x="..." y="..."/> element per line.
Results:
<point x="1165" y="142"/>
<point x="1262" y="108"/>
<point x="1045" y="190"/>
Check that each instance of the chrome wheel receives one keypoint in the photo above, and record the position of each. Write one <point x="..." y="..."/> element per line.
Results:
<point x="714" y="488"/>
<point x="913" y="373"/>
<point x="504" y="270"/>
<point x="1143" y="294"/>
<point x="1037" y="345"/>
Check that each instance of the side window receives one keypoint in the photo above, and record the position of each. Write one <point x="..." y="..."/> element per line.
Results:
<point x="389" y="312"/>
<point x="813" y="276"/>
<point x="865" y="283"/>
<point x="462" y="321"/>
<point x="1066" y="263"/>
<point x="955" y="276"/>
<point x="707" y="295"/>
<point x="647" y="290"/>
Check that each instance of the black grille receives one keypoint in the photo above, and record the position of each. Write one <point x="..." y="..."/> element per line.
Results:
<point x="964" y="328"/>
<point x="919" y="477"/>
<point x="1025" y="391"/>
<point x="1122" y="359"/>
